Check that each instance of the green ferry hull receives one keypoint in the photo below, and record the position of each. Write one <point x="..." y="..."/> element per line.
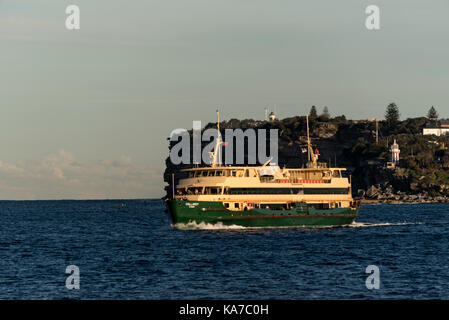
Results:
<point x="184" y="212"/>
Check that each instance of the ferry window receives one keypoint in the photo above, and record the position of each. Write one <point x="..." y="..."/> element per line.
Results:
<point x="326" y="190"/>
<point x="236" y="205"/>
<point x="226" y="205"/>
<point x="212" y="190"/>
<point x="194" y="191"/>
<point x="233" y="173"/>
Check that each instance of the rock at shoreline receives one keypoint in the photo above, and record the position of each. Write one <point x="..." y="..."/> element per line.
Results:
<point x="372" y="192"/>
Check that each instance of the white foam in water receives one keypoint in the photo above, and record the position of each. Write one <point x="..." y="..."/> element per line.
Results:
<point x="381" y="224"/>
<point x="205" y="226"/>
<point x="220" y="226"/>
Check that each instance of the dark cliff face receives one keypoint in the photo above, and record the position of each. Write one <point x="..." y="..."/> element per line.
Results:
<point x="352" y="144"/>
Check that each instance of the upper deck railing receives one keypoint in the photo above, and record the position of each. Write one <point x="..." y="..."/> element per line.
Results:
<point x="293" y="181"/>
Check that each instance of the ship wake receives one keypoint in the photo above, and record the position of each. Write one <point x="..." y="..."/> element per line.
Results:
<point x="220" y="226"/>
<point x="380" y="224"/>
<point x="206" y="226"/>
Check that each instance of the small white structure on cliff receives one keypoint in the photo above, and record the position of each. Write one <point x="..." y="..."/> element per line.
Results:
<point x="271" y="116"/>
<point x="395" y="151"/>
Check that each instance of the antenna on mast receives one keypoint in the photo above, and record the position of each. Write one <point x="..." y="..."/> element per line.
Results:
<point x="216" y="154"/>
<point x="311" y="156"/>
<point x="308" y="139"/>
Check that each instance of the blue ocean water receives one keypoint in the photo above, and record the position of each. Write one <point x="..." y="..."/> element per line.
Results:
<point x="128" y="249"/>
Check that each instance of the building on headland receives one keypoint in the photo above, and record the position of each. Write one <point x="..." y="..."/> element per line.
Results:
<point x="440" y="128"/>
<point x="395" y="151"/>
<point x="270" y="117"/>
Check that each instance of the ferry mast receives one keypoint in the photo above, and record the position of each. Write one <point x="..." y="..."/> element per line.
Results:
<point x="312" y="157"/>
<point x="215" y="155"/>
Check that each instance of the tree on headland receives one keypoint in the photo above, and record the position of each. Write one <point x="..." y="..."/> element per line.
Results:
<point x="341" y="118"/>
<point x="325" y="116"/>
<point x="432" y="115"/>
<point x="392" y="114"/>
<point x="313" y="113"/>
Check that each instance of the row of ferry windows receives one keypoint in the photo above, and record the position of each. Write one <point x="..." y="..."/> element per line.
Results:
<point x="222" y="173"/>
<point x="284" y="206"/>
<point x="234" y="191"/>
<point x="252" y="173"/>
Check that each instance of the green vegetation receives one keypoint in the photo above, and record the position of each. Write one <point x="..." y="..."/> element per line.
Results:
<point x="432" y="114"/>
<point x="313" y="113"/>
<point x="392" y="114"/>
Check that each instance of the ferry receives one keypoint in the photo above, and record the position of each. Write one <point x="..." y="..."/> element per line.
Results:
<point x="263" y="196"/>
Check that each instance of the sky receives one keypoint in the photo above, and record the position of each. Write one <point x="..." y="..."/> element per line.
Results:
<point x="84" y="114"/>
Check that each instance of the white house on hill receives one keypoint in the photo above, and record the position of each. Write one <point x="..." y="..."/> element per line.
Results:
<point x="439" y="129"/>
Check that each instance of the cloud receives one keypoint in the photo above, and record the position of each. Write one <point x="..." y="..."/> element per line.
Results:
<point x="61" y="176"/>
<point x="11" y="169"/>
<point x="124" y="161"/>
